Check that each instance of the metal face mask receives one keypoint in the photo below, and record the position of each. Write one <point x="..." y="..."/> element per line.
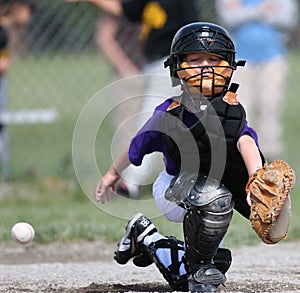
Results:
<point x="207" y="80"/>
<point x="208" y="38"/>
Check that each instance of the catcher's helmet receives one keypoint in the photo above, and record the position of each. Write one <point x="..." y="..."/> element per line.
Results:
<point x="203" y="37"/>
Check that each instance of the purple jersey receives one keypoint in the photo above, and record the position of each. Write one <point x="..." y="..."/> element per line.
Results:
<point x="149" y="138"/>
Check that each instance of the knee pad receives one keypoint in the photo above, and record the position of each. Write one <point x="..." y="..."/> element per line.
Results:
<point x="207" y="190"/>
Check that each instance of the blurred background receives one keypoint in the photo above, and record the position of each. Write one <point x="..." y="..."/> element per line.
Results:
<point x="57" y="66"/>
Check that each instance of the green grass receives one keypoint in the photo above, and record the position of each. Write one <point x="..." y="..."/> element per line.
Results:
<point x="60" y="212"/>
<point x="63" y="82"/>
<point x="43" y="189"/>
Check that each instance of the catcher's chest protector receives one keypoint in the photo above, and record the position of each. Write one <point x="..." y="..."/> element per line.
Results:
<point x="216" y="127"/>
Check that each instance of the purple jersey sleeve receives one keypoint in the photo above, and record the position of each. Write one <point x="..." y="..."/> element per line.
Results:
<point x="148" y="139"/>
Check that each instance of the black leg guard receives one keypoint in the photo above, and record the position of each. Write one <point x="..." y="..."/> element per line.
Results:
<point x="209" y="207"/>
<point x="204" y="229"/>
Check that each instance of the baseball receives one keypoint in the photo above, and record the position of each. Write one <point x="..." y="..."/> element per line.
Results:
<point x="22" y="232"/>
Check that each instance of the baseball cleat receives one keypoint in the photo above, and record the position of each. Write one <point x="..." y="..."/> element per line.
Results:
<point x="137" y="229"/>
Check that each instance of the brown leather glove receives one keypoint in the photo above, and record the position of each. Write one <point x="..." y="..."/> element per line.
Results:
<point x="269" y="187"/>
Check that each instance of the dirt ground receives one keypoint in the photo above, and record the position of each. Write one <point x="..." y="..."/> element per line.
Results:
<point x="89" y="267"/>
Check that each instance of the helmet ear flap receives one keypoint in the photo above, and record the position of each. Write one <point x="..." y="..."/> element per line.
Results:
<point x="171" y="62"/>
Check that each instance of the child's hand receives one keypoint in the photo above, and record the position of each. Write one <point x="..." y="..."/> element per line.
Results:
<point x="103" y="188"/>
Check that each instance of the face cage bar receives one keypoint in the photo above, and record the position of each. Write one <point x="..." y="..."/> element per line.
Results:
<point x="185" y="85"/>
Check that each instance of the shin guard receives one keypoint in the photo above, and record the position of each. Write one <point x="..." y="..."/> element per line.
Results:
<point x="204" y="228"/>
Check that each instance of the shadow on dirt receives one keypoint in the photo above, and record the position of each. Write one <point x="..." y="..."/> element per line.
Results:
<point x="271" y="286"/>
<point x="150" y="287"/>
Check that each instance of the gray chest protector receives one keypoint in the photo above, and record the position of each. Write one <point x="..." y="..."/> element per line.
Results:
<point x="206" y="142"/>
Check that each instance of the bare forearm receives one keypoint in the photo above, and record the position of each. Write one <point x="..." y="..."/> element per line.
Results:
<point x="111" y="6"/>
<point x="121" y="163"/>
<point x="282" y="14"/>
<point x="250" y="153"/>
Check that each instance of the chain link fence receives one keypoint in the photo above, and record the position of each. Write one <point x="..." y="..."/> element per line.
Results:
<point x="57" y="67"/>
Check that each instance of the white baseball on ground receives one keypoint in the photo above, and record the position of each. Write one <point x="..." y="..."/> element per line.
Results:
<point x="22" y="232"/>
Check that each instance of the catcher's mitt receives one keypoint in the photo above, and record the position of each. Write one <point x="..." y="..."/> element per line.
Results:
<point x="269" y="187"/>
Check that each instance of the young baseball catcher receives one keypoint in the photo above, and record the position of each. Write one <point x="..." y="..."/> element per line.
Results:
<point x="210" y="153"/>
